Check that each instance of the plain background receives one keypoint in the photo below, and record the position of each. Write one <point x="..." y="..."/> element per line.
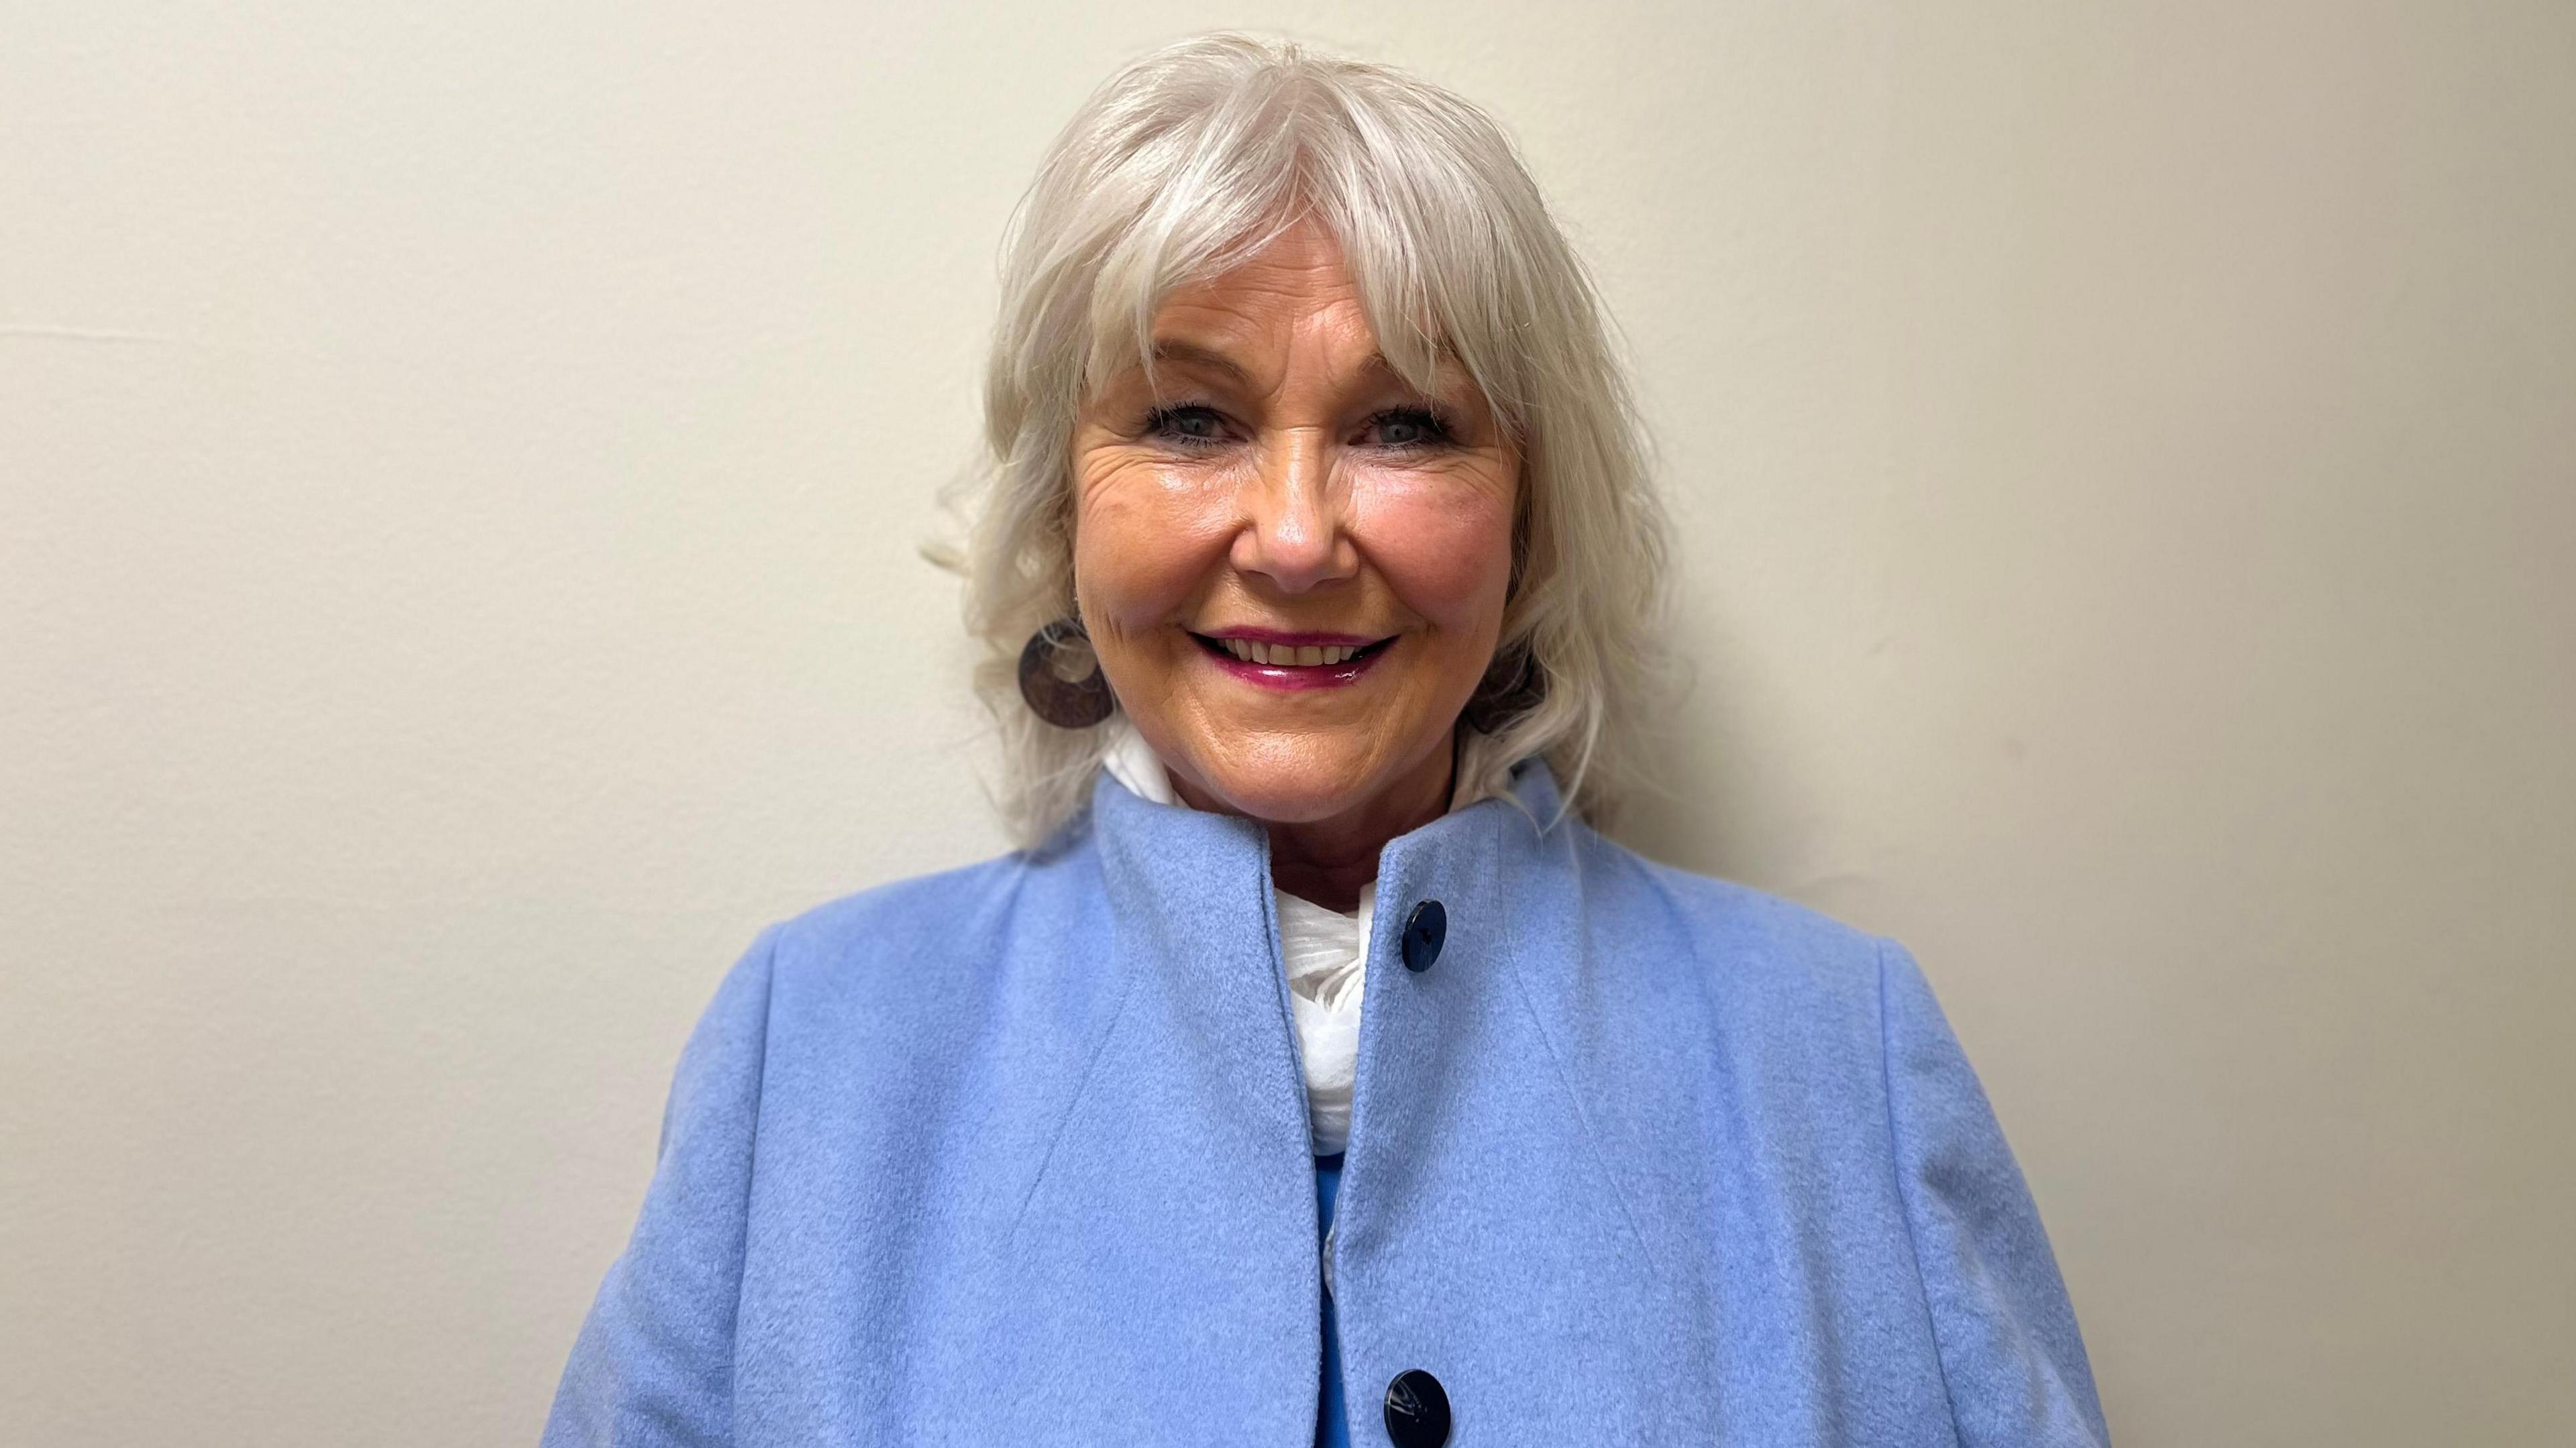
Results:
<point x="461" y="469"/>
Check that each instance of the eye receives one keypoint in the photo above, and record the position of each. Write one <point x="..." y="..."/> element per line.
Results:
<point x="1186" y="422"/>
<point x="1409" y="427"/>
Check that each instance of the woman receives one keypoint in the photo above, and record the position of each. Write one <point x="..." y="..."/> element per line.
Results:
<point x="1317" y="1072"/>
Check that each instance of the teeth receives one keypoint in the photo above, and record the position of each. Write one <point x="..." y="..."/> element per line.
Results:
<point x="1306" y="656"/>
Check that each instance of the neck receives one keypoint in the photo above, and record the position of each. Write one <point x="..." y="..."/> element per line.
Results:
<point x="1328" y="860"/>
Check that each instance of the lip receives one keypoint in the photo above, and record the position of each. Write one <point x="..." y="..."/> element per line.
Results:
<point x="1292" y="677"/>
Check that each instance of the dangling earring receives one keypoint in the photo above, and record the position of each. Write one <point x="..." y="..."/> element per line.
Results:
<point x="1060" y="677"/>
<point x="1513" y="685"/>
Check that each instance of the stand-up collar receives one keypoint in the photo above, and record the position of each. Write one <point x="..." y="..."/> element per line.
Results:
<point x="1197" y="878"/>
<point x="1191" y="896"/>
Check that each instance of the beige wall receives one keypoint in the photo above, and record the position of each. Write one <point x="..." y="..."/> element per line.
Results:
<point x="459" y="475"/>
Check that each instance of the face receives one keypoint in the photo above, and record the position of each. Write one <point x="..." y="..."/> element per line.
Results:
<point x="1293" y="563"/>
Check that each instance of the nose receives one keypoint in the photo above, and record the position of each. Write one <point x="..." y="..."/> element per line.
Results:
<point x="1293" y="530"/>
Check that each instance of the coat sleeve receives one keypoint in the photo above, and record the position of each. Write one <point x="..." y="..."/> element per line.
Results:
<point x="653" y="1364"/>
<point x="2010" y="1352"/>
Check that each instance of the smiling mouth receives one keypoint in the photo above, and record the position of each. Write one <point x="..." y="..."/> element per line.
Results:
<point x="1291" y="653"/>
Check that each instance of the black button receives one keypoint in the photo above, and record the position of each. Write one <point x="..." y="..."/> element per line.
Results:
<point x="1423" y="932"/>
<point x="1417" y="1407"/>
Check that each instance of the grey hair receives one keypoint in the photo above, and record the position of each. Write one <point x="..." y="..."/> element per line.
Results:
<point x="1187" y="162"/>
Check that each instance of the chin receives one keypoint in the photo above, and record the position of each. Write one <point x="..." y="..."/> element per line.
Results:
<point x="1292" y="786"/>
<point x="1290" y="806"/>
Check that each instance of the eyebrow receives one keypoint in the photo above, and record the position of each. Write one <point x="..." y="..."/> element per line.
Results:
<point x="1173" y="349"/>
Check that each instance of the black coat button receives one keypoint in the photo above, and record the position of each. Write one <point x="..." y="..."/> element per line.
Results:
<point x="1424" y="930"/>
<point x="1417" y="1407"/>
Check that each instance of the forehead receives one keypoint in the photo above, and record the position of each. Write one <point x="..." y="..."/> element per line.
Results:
<point x="1300" y="274"/>
<point x="1296" y="290"/>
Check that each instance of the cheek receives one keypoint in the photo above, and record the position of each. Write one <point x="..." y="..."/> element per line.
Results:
<point x="1446" y="551"/>
<point x="1143" y="547"/>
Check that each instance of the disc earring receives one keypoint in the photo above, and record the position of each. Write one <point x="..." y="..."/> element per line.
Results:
<point x="1060" y="677"/>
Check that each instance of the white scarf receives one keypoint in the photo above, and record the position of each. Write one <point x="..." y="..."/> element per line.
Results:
<point x="1325" y="953"/>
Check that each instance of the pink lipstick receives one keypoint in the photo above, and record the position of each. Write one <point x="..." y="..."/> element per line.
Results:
<point x="1282" y="659"/>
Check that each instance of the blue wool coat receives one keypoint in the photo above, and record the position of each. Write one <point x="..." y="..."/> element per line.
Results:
<point x="1018" y="1154"/>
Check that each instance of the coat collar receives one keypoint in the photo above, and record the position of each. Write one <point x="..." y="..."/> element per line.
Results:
<point x="1190" y="893"/>
<point x="1198" y="875"/>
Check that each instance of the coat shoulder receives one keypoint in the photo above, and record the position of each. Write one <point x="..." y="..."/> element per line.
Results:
<point x="949" y="927"/>
<point x="1745" y="938"/>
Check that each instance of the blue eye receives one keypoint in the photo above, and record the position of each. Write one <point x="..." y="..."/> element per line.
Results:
<point x="1194" y="424"/>
<point x="1410" y="427"/>
<point x="1186" y="423"/>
